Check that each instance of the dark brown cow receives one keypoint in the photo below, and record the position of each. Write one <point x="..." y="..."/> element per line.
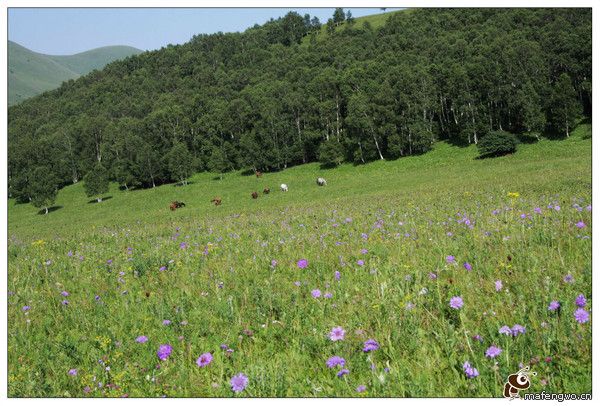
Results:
<point x="266" y="190"/>
<point x="258" y="174"/>
<point x="254" y="195"/>
<point x="216" y="201"/>
<point x="176" y="205"/>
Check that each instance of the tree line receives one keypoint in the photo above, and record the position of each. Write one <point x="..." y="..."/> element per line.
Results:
<point x="293" y="91"/>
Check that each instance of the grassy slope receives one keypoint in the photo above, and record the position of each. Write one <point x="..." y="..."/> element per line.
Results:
<point x="87" y="61"/>
<point x="31" y="73"/>
<point x="220" y="282"/>
<point x="445" y="168"/>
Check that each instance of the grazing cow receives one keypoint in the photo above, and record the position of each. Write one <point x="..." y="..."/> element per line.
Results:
<point x="284" y="187"/>
<point x="216" y="201"/>
<point x="321" y="182"/>
<point x="266" y="190"/>
<point x="176" y="205"/>
<point x="254" y="195"/>
<point x="258" y="174"/>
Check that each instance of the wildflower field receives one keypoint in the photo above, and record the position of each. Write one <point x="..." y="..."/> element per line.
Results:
<point x="436" y="275"/>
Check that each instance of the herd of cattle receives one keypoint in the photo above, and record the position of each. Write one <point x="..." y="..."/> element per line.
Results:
<point x="217" y="200"/>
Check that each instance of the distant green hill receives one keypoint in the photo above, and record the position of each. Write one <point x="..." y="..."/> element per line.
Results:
<point x="31" y="73"/>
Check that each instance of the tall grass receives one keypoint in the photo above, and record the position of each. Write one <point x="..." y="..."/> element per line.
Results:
<point x="229" y="275"/>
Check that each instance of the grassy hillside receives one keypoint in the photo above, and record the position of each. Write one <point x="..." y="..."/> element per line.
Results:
<point x="31" y="73"/>
<point x="96" y="289"/>
<point x="87" y="61"/>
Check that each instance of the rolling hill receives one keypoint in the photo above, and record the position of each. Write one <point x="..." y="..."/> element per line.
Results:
<point x="31" y="73"/>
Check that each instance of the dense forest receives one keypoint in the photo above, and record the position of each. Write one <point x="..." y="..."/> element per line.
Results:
<point x="293" y="91"/>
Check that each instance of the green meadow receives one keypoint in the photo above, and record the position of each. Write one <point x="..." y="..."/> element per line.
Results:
<point x="387" y="245"/>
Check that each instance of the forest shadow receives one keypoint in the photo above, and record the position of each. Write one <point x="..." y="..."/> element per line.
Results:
<point x="179" y="184"/>
<point x="527" y="138"/>
<point x="103" y="199"/>
<point x="50" y="210"/>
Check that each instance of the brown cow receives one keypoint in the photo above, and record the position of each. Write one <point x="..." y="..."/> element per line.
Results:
<point x="176" y="205"/>
<point x="216" y="201"/>
<point x="254" y="195"/>
<point x="266" y="190"/>
<point x="258" y="174"/>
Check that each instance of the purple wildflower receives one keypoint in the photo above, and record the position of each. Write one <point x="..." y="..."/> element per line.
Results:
<point x="166" y="322"/>
<point x="498" y="285"/>
<point x="505" y="330"/>
<point x="162" y="268"/>
<point x="338" y="275"/>
<point x="450" y="259"/>
<point x="360" y="262"/>
<point x="517" y="329"/>
<point x="364" y="251"/>
<point x="303" y="263"/>
<point x="493" y="352"/>
<point x="361" y="388"/>
<point x="328" y="295"/>
<point x="70" y="253"/>
<point x="554" y="305"/>
<point x="343" y="372"/>
<point x="73" y="372"/>
<point x="468" y="266"/>
<point x="370" y="345"/>
<point x="456" y="302"/>
<point x="569" y="278"/>
<point x="581" y="316"/>
<point x="335" y="361"/>
<point x="580" y="225"/>
<point x="580" y="301"/>
<point x="273" y="263"/>
<point x="64" y="293"/>
<point x="470" y="372"/>
<point x="65" y="302"/>
<point x="297" y="283"/>
<point x="538" y="210"/>
<point x="239" y="382"/>
<point x="25" y="308"/>
<point x="478" y="338"/>
<point x="316" y="293"/>
<point x="204" y="359"/>
<point x="337" y="333"/>
<point x="141" y="339"/>
<point x="164" y="351"/>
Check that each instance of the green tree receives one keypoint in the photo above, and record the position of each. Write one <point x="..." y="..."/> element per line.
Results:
<point x="95" y="182"/>
<point x="339" y="16"/>
<point x="497" y="143"/>
<point x="349" y="18"/>
<point x="180" y="162"/>
<point x="218" y="161"/>
<point x="331" y="153"/>
<point x="43" y="187"/>
<point x="564" y="108"/>
<point x="330" y="27"/>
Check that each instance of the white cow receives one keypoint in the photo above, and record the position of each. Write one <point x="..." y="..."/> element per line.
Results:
<point x="321" y="182"/>
<point x="284" y="187"/>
